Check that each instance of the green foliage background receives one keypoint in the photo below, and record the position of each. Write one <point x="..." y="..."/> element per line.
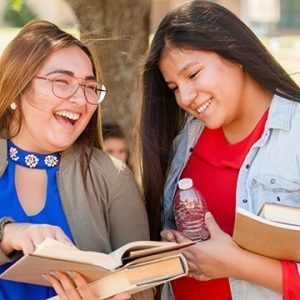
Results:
<point x="17" y="13"/>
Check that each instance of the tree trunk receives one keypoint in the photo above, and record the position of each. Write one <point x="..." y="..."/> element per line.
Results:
<point x="120" y="30"/>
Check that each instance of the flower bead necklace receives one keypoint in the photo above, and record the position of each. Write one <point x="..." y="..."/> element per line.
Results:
<point x="32" y="160"/>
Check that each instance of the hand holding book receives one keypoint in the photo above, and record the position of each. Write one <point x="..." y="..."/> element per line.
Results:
<point x="135" y="266"/>
<point x="62" y="282"/>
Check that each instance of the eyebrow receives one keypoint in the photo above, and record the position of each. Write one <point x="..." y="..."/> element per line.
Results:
<point x="70" y="73"/>
<point x="187" y="66"/>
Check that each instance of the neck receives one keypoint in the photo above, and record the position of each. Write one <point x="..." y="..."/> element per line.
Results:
<point x="255" y="101"/>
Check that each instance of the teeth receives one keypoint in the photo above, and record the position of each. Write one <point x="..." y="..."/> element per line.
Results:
<point x="68" y="114"/>
<point x="204" y="106"/>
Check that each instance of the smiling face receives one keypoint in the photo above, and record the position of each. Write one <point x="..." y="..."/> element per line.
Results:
<point x="50" y="123"/>
<point x="205" y="85"/>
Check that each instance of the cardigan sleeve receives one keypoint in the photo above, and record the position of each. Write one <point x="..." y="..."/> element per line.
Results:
<point x="291" y="281"/>
<point x="128" y="219"/>
<point x="145" y="295"/>
<point x="4" y="258"/>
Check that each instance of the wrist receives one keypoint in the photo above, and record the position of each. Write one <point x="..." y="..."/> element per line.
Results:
<point x="4" y="222"/>
<point x="237" y="262"/>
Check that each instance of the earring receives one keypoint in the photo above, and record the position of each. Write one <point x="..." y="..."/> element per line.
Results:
<point x="13" y="106"/>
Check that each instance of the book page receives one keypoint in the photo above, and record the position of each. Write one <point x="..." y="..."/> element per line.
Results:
<point x="280" y="213"/>
<point x="260" y="219"/>
<point x="54" y="249"/>
<point x="144" y="248"/>
<point x="58" y="250"/>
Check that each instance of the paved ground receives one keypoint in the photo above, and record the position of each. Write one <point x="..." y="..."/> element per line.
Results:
<point x="286" y="50"/>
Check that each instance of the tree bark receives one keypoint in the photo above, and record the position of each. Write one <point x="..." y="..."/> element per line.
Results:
<point x="119" y="30"/>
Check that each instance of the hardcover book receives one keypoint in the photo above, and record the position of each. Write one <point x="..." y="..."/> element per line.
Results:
<point x="133" y="267"/>
<point x="269" y="238"/>
<point x="280" y="213"/>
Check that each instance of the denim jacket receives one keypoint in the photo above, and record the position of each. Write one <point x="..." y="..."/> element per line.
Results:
<point x="269" y="173"/>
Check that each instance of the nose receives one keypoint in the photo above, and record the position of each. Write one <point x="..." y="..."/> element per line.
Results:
<point x="78" y="95"/>
<point x="186" y="94"/>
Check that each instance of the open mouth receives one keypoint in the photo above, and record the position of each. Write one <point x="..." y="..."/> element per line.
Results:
<point x="204" y="106"/>
<point x="67" y="117"/>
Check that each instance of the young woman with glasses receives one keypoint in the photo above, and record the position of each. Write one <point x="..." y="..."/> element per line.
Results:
<point x="55" y="181"/>
<point x="219" y="109"/>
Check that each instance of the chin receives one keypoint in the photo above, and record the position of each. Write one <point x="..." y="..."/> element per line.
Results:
<point x="62" y="141"/>
<point x="212" y="125"/>
<point x="58" y="147"/>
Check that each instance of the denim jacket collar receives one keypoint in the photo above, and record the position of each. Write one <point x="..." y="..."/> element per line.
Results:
<point x="280" y="113"/>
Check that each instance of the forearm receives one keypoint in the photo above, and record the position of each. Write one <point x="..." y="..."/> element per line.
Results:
<point x="258" y="269"/>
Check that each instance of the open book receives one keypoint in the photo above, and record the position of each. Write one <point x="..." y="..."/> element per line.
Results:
<point x="273" y="239"/>
<point x="133" y="267"/>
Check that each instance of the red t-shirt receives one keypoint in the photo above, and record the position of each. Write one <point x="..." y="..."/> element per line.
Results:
<point x="214" y="166"/>
<point x="291" y="281"/>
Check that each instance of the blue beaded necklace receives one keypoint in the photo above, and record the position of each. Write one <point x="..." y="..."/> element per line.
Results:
<point x="32" y="160"/>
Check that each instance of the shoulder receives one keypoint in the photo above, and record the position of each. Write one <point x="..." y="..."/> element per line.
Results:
<point x="283" y="114"/>
<point x="107" y="163"/>
<point x="283" y="125"/>
<point x="98" y="163"/>
<point x="296" y="109"/>
<point x="188" y="136"/>
<point x="3" y="155"/>
<point x="3" y="148"/>
<point x="95" y="173"/>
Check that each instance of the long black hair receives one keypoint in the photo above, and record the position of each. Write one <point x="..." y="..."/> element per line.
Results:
<point x="201" y="25"/>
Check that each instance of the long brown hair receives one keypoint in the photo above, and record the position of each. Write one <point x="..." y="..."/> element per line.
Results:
<point x="197" y="25"/>
<point x="22" y="59"/>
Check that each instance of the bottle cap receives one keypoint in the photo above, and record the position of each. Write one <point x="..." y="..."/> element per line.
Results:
<point x="185" y="183"/>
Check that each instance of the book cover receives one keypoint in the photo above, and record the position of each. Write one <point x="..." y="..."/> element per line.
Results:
<point x="133" y="267"/>
<point x="138" y="277"/>
<point x="265" y="237"/>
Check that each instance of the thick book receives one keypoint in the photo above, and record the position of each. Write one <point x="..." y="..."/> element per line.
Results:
<point x="133" y="267"/>
<point x="280" y="213"/>
<point x="265" y="237"/>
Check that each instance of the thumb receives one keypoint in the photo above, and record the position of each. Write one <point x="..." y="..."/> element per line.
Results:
<point x="168" y="235"/>
<point x="180" y="238"/>
<point x="211" y="224"/>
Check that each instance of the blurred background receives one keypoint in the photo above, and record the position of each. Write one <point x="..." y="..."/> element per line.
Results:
<point x="120" y="31"/>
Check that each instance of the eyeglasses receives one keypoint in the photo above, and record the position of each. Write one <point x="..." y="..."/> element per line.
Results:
<point x="65" y="86"/>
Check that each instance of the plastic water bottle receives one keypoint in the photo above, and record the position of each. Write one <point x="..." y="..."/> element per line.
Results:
<point x="189" y="209"/>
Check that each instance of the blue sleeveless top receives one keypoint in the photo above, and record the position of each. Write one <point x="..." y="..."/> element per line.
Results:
<point x="51" y="214"/>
